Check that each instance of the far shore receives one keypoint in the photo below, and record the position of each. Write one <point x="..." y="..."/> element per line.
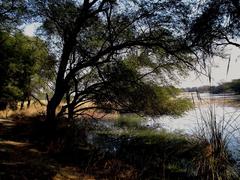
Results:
<point x="203" y="99"/>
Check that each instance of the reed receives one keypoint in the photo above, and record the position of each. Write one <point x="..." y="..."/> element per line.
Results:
<point x="214" y="159"/>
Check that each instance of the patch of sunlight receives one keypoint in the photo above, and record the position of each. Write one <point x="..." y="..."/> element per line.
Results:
<point x="35" y="151"/>
<point x="34" y="109"/>
<point x="13" y="163"/>
<point x="6" y="121"/>
<point x="72" y="173"/>
<point x="14" y="143"/>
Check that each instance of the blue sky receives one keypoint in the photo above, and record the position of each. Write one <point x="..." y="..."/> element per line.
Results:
<point x="219" y="71"/>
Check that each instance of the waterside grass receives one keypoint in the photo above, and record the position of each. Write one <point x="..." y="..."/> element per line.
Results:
<point x="204" y="155"/>
<point x="215" y="160"/>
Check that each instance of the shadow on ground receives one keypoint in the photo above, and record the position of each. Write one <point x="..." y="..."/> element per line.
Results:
<point x="24" y="155"/>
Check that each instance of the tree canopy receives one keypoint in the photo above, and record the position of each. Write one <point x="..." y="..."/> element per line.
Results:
<point x="216" y="25"/>
<point x="116" y="54"/>
<point x="13" y="13"/>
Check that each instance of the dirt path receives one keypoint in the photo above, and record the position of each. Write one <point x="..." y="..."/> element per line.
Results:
<point x="20" y="159"/>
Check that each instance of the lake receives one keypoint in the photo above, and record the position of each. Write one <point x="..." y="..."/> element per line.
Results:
<point x="217" y="104"/>
<point x="227" y="116"/>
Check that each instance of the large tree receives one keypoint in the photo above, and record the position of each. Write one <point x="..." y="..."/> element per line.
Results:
<point x="100" y="39"/>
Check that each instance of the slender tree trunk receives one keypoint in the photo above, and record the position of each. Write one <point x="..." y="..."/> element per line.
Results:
<point x="51" y="113"/>
<point x="28" y="102"/>
<point x="22" y="105"/>
<point x="70" y="112"/>
<point x="51" y="119"/>
<point x="69" y="107"/>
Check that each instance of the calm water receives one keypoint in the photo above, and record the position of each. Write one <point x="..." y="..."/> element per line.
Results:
<point x="193" y="118"/>
<point x="191" y="122"/>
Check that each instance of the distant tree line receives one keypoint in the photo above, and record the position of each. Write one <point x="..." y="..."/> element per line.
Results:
<point x="201" y="89"/>
<point x="226" y="87"/>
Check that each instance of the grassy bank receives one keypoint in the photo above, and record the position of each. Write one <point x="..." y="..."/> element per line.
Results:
<point x="165" y="155"/>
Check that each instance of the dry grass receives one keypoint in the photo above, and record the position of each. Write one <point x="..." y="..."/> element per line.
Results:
<point x="72" y="173"/>
<point x="14" y="143"/>
<point x="219" y="101"/>
<point x="95" y="113"/>
<point x="101" y="115"/>
<point x="36" y="109"/>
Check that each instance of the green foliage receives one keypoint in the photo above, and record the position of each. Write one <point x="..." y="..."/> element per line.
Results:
<point x="205" y="156"/>
<point x="235" y="86"/>
<point x="216" y="24"/>
<point x="155" y="152"/>
<point x="149" y="136"/>
<point x="126" y="91"/>
<point x="129" y="125"/>
<point x="128" y="121"/>
<point x="24" y="61"/>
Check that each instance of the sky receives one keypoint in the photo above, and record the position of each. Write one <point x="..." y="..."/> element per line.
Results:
<point x="218" y="72"/>
<point x="30" y="29"/>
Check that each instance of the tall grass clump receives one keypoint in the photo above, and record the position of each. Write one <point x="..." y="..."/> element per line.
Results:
<point x="131" y="121"/>
<point x="214" y="160"/>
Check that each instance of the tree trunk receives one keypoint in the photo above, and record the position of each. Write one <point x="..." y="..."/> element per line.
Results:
<point x="70" y="112"/>
<point x="51" y="113"/>
<point x="22" y="105"/>
<point x="28" y="102"/>
<point x="52" y="105"/>
<point x="51" y="109"/>
<point x="69" y="107"/>
<point x="51" y="119"/>
<point x="61" y="86"/>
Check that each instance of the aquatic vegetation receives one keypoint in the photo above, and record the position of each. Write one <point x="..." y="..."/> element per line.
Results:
<point x="204" y="155"/>
<point x="213" y="160"/>
<point x="129" y="121"/>
<point x="156" y="153"/>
